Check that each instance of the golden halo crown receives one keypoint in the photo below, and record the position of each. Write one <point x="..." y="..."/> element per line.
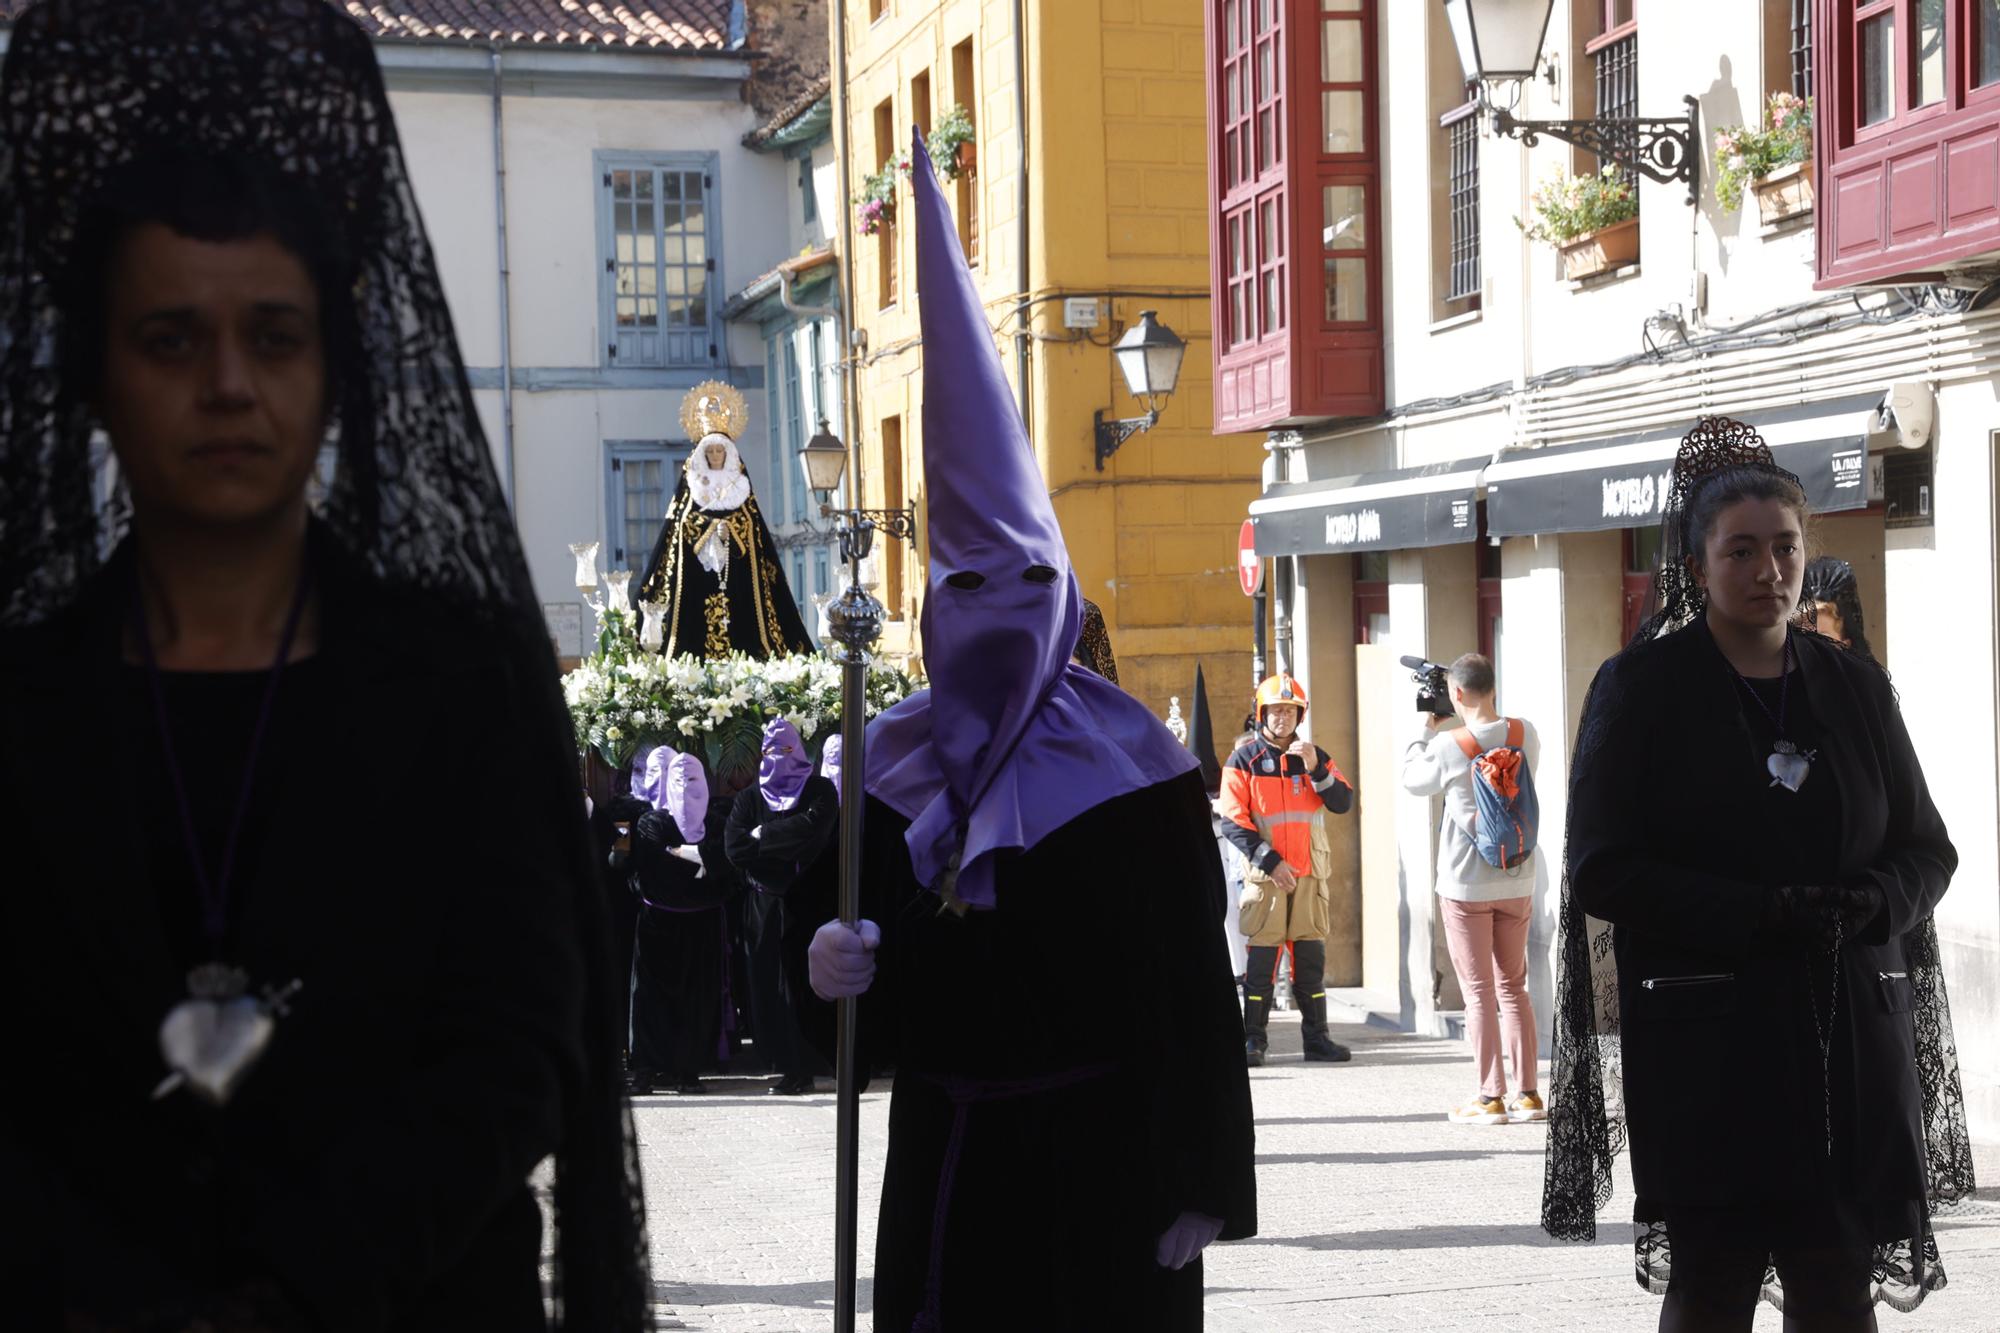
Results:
<point x="713" y="408"/>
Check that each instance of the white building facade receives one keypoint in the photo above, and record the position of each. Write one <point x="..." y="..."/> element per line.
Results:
<point x="1506" y="499"/>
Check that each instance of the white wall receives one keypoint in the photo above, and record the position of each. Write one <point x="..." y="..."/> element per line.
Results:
<point x="555" y="267"/>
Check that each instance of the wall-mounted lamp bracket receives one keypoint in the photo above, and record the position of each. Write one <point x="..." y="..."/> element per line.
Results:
<point x="1658" y="149"/>
<point x="1112" y="433"/>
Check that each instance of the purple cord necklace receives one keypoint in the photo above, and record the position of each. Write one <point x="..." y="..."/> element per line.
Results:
<point x="211" y="1039"/>
<point x="1787" y="764"/>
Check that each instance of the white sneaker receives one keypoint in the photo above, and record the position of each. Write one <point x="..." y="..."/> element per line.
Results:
<point x="1481" y="1111"/>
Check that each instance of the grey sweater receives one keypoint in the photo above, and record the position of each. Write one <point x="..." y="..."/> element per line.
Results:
<point x="1438" y="765"/>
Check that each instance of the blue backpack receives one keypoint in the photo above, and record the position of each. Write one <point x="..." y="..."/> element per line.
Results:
<point x="1503" y="792"/>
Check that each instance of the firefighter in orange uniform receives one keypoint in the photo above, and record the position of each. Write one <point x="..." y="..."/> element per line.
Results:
<point x="1277" y="790"/>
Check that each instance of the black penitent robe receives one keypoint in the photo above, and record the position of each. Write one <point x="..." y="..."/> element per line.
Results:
<point x="375" y="1161"/>
<point x="1675" y="837"/>
<point x="1080" y="1144"/>
<point x="749" y="611"/>
<point x="770" y="849"/>
<point x="679" y="958"/>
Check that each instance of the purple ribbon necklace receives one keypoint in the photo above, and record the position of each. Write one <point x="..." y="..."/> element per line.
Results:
<point x="213" y="1038"/>
<point x="1787" y="764"/>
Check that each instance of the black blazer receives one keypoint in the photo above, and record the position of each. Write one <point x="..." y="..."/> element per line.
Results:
<point x="375" y="1163"/>
<point x="1722" y="1067"/>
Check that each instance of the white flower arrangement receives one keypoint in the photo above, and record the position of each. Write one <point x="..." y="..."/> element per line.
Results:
<point x="623" y="699"/>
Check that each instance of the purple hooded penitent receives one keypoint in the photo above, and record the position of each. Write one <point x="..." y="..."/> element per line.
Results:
<point x="829" y="760"/>
<point x="686" y="796"/>
<point x="649" y="774"/>
<point x="785" y="766"/>
<point x="1011" y="741"/>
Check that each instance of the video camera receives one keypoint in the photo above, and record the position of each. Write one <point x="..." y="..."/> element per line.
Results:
<point x="1434" y="692"/>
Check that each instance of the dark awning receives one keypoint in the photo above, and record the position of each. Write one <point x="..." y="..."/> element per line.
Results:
<point x="1593" y="487"/>
<point x="1377" y="511"/>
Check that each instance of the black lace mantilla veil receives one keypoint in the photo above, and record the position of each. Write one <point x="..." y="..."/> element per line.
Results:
<point x="1586" y="1107"/>
<point x="90" y="86"/>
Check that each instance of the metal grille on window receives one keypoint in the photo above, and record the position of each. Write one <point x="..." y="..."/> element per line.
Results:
<point x="1907" y="489"/>
<point x="1462" y="135"/>
<point x="1802" y="66"/>
<point x="1618" y="90"/>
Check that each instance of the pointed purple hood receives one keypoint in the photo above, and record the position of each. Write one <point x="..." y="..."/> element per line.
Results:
<point x="1011" y="741"/>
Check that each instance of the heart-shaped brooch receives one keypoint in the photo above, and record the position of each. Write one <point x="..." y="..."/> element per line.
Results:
<point x="211" y="1040"/>
<point x="1788" y="767"/>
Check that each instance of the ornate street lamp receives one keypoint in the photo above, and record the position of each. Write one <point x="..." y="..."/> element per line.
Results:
<point x="1149" y="356"/>
<point x="1500" y="41"/>
<point x="854" y="622"/>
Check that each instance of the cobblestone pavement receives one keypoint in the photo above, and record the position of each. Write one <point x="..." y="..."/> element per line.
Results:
<point x="1375" y="1212"/>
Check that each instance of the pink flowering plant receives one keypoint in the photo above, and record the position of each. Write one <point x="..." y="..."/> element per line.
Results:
<point x="1743" y="155"/>
<point x="875" y="206"/>
<point x="1567" y="207"/>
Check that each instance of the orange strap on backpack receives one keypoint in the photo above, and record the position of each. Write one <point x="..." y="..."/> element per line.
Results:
<point x="1498" y="765"/>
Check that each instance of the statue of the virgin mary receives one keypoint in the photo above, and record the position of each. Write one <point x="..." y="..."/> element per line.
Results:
<point x="714" y="585"/>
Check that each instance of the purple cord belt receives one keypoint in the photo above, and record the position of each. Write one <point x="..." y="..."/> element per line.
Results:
<point x="965" y="1093"/>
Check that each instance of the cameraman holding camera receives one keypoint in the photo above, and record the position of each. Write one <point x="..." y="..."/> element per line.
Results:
<point x="1486" y="906"/>
<point x="1277" y="790"/>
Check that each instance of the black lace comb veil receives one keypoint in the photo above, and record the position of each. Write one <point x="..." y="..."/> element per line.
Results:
<point x="1586" y="1105"/>
<point x="90" y="87"/>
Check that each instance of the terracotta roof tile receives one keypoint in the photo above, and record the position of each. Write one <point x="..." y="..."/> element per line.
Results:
<point x="671" y="25"/>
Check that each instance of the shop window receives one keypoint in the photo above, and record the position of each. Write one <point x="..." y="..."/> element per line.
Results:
<point x="1371" y="597"/>
<point x="1642" y="563"/>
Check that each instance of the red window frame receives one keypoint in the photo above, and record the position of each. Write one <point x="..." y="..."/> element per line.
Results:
<point x="1610" y="27"/>
<point x="1237" y="111"/>
<point x="1961" y="57"/>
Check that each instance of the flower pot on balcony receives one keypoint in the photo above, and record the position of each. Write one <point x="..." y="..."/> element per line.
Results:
<point x="968" y="158"/>
<point x="1785" y="193"/>
<point x="1600" y="251"/>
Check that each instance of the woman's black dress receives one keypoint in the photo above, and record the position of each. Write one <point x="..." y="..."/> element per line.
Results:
<point x="1738" y="1121"/>
<point x="1035" y="1155"/>
<point x="374" y="1164"/>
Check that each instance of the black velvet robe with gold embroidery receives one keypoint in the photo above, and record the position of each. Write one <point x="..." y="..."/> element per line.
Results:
<point x="749" y="609"/>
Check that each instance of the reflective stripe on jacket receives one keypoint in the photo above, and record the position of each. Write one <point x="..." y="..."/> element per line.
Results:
<point x="1271" y="816"/>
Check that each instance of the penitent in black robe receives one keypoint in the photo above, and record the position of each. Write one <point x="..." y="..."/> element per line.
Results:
<point x="679" y="976"/>
<point x="747" y="610"/>
<point x="770" y="849"/>
<point x="1077" y="1148"/>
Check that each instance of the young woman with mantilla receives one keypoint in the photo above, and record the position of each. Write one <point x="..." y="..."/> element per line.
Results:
<point x="1748" y="815"/>
<point x="292" y="1032"/>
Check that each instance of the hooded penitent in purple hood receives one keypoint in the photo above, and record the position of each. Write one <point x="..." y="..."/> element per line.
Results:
<point x="785" y="765"/>
<point x="687" y="797"/>
<point x="649" y="774"/>
<point x="829" y="760"/>
<point x="1011" y="741"/>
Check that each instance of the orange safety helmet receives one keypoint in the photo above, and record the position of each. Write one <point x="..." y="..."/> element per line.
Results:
<point x="1281" y="689"/>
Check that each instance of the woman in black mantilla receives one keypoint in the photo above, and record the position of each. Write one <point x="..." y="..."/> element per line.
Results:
<point x="1749" y="817"/>
<point x="300" y="1032"/>
<point x="714" y="585"/>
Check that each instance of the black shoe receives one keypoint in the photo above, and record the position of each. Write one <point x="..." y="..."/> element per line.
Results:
<point x="1318" y="1046"/>
<point x="1256" y="1035"/>
<point x="793" y="1085"/>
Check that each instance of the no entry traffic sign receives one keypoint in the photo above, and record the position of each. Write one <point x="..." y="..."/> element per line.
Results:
<point x="1249" y="569"/>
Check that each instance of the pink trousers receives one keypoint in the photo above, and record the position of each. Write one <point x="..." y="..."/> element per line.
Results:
<point x="1489" y="951"/>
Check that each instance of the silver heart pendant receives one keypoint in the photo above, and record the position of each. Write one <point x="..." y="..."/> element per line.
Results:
<point x="211" y="1044"/>
<point x="1788" y="770"/>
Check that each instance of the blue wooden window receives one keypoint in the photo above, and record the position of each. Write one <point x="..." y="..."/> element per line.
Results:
<point x="639" y="484"/>
<point x="811" y="205"/>
<point x="658" y="230"/>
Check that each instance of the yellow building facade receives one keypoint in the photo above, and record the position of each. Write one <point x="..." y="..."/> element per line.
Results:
<point x="1116" y="210"/>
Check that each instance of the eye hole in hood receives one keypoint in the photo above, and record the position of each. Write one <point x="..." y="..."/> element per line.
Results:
<point x="966" y="580"/>
<point x="1039" y="574"/>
